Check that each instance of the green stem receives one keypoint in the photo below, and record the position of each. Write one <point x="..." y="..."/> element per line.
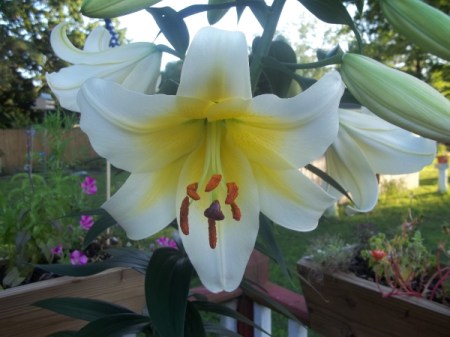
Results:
<point x="263" y="46"/>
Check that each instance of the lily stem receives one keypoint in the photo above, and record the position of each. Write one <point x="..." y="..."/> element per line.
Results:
<point x="263" y="46"/>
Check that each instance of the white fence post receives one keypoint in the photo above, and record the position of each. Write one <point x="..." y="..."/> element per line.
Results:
<point x="228" y="322"/>
<point x="296" y="330"/>
<point x="262" y="316"/>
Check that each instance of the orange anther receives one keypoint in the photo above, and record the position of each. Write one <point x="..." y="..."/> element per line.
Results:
<point x="232" y="193"/>
<point x="235" y="211"/>
<point x="184" y="215"/>
<point x="191" y="191"/>
<point x="213" y="182"/>
<point x="212" y="233"/>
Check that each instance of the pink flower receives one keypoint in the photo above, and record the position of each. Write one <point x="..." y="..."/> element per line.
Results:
<point x="86" y="222"/>
<point x="58" y="250"/>
<point x="166" y="242"/>
<point x="89" y="185"/>
<point x="378" y="254"/>
<point x="78" y="258"/>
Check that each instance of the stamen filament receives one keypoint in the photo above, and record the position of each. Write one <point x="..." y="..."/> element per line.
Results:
<point x="235" y="211"/>
<point x="184" y="216"/>
<point x="212" y="233"/>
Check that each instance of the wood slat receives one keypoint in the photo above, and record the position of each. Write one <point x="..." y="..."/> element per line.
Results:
<point x="18" y="318"/>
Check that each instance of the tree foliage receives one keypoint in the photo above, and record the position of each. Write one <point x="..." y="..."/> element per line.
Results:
<point x="391" y="48"/>
<point x="26" y="54"/>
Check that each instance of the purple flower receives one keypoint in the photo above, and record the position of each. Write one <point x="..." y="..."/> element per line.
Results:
<point x="78" y="258"/>
<point x="86" y="222"/>
<point x="58" y="250"/>
<point x="89" y="185"/>
<point x="166" y="242"/>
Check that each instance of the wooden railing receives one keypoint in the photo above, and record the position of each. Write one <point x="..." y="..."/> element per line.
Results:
<point x="125" y="287"/>
<point x="258" y="308"/>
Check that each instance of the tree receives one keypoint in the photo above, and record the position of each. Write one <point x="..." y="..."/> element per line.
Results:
<point x="26" y="54"/>
<point x="391" y="48"/>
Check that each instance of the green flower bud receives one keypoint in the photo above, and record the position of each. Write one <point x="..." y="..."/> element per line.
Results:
<point x="105" y="9"/>
<point x="423" y="24"/>
<point x="397" y="97"/>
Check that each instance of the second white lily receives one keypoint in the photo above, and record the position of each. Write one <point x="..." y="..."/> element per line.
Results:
<point x="134" y="65"/>
<point x="367" y="145"/>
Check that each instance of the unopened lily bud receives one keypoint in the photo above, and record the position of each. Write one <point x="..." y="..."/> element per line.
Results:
<point x="423" y="24"/>
<point x="106" y="9"/>
<point x="397" y="97"/>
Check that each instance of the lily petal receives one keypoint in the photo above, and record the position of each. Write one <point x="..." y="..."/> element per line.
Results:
<point x="388" y="148"/>
<point x="290" y="199"/>
<point x="347" y="164"/>
<point x="132" y="141"/>
<point x="290" y="132"/>
<point x="145" y="204"/>
<point x="224" y="73"/>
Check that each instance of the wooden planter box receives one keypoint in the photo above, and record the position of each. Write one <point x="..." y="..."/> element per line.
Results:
<point x="18" y="318"/>
<point x="343" y="304"/>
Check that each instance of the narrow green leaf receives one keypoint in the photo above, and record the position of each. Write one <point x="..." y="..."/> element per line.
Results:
<point x="214" y="15"/>
<point x="100" y="225"/>
<point x="329" y="11"/>
<point x="193" y="326"/>
<point x="254" y="291"/>
<point x="332" y="11"/>
<point x="219" y="330"/>
<point x="85" y="309"/>
<point x="359" y="5"/>
<point x="166" y="289"/>
<point x="121" y="257"/>
<point x="329" y="180"/>
<point x="115" y="326"/>
<point x="221" y="309"/>
<point x="266" y="234"/>
<point x="261" y="11"/>
<point x="172" y="26"/>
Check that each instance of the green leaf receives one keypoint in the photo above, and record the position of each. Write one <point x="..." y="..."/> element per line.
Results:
<point x="277" y="82"/>
<point x="261" y="11"/>
<point x="172" y="26"/>
<point x="85" y="309"/>
<point x="329" y="180"/>
<point x="121" y="257"/>
<point x="332" y="11"/>
<point x="99" y="227"/>
<point x="115" y="326"/>
<point x="193" y="326"/>
<point x="272" y="248"/>
<point x="166" y="289"/>
<point x="214" y="15"/>
<point x="219" y="330"/>
<point x="221" y="309"/>
<point x="329" y="11"/>
<point x="359" y="5"/>
<point x="255" y="292"/>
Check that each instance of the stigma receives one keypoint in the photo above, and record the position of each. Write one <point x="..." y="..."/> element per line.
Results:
<point x="213" y="213"/>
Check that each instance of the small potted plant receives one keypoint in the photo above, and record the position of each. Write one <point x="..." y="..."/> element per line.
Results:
<point x="387" y="287"/>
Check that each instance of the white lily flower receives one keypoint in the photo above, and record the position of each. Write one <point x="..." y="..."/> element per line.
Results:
<point x="136" y="65"/>
<point x="367" y="145"/>
<point x="191" y="154"/>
